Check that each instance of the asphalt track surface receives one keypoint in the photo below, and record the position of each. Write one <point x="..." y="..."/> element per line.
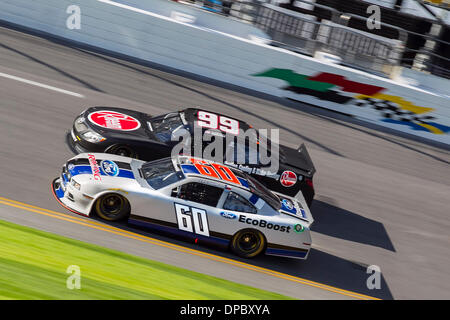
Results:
<point x="381" y="199"/>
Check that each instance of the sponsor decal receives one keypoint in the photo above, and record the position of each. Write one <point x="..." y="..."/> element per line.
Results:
<point x="94" y="167"/>
<point x="288" y="178"/>
<point x="336" y="88"/>
<point x="299" y="228"/>
<point x="114" y="120"/>
<point x="288" y="204"/>
<point x="264" y="224"/>
<point x="228" y="215"/>
<point x="110" y="168"/>
<point x="70" y="166"/>
<point x="253" y="170"/>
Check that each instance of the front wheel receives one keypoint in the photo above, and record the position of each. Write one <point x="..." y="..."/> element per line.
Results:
<point x="248" y="243"/>
<point x="112" y="207"/>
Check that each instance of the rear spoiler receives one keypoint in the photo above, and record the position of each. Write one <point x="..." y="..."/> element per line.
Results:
<point x="302" y="150"/>
<point x="299" y="159"/>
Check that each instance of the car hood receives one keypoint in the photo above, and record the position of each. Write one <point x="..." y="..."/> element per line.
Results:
<point x="103" y="167"/>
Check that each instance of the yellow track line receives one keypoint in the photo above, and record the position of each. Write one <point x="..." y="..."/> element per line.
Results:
<point x="136" y="236"/>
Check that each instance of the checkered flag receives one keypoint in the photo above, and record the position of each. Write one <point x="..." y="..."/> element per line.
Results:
<point x="391" y="110"/>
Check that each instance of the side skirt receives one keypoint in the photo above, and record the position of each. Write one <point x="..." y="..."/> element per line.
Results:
<point x="215" y="239"/>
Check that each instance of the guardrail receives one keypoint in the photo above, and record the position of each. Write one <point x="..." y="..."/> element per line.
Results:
<point x="302" y="33"/>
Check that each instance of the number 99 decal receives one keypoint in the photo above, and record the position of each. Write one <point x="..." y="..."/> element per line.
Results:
<point x="214" y="121"/>
<point x="192" y="219"/>
<point x="214" y="170"/>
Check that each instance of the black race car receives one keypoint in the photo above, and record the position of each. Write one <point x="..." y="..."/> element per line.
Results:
<point x="139" y="135"/>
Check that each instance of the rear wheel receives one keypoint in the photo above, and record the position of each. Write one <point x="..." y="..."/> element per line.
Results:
<point x="124" y="151"/>
<point x="112" y="207"/>
<point x="248" y="243"/>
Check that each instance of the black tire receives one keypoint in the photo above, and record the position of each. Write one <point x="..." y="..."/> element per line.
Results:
<point x="248" y="243"/>
<point x="112" y="207"/>
<point x="122" y="150"/>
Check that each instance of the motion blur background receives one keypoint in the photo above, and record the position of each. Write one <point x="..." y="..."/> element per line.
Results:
<point x="413" y="33"/>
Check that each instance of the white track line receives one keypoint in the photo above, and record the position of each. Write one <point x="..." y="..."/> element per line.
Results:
<point x="45" y="86"/>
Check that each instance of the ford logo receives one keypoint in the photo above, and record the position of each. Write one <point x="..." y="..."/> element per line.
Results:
<point x="288" y="204"/>
<point x="109" y="167"/>
<point x="228" y="215"/>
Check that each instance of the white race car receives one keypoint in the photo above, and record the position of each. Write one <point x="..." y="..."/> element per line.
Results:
<point x="184" y="196"/>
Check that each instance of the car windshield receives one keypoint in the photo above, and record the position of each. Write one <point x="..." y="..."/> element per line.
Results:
<point x="160" y="173"/>
<point x="262" y="192"/>
<point x="164" y="126"/>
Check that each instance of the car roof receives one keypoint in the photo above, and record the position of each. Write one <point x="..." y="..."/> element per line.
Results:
<point x="225" y="175"/>
<point x="207" y="169"/>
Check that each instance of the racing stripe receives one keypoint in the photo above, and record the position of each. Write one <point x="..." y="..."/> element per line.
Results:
<point x="189" y="168"/>
<point x="243" y="182"/>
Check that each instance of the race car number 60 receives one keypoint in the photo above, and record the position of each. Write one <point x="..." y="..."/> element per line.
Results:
<point x="192" y="219"/>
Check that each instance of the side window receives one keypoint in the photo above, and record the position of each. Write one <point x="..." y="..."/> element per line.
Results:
<point x="235" y="202"/>
<point x="198" y="192"/>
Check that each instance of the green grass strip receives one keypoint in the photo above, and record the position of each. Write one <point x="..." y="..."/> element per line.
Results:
<point x="33" y="265"/>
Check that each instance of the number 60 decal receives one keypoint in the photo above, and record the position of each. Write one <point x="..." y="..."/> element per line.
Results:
<point x="214" y="121"/>
<point x="192" y="219"/>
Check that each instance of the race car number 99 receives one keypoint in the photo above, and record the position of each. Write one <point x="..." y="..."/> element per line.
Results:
<point x="214" y="121"/>
<point x="192" y="219"/>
